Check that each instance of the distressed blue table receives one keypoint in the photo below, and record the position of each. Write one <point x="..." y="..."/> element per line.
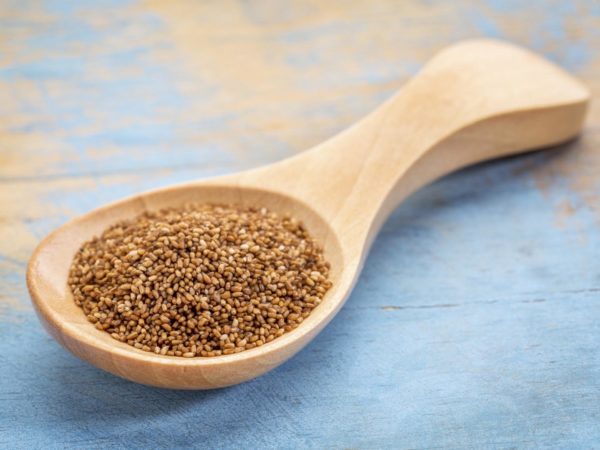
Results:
<point x="476" y="321"/>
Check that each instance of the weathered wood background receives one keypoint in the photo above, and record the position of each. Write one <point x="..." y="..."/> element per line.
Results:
<point x="476" y="321"/>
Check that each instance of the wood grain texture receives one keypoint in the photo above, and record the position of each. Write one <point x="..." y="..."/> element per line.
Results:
<point x="474" y="323"/>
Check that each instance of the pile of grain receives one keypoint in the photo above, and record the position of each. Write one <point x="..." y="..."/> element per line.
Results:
<point x="205" y="280"/>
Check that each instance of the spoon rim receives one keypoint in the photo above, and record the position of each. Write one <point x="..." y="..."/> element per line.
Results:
<point x="102" y="341"/>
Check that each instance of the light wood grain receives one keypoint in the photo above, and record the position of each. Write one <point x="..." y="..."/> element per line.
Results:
<point x="474" y="101"/>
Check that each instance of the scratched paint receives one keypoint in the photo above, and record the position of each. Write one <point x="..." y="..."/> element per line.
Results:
<point x="474" y="323"/>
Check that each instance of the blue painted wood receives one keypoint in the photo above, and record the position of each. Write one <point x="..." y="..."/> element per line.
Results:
<point x="475" y="321"/>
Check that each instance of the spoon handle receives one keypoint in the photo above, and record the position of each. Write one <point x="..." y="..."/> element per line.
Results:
<point x="474" y="101"/>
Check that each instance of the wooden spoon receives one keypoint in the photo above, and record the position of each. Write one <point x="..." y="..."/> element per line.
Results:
<point x="474" y="101"/>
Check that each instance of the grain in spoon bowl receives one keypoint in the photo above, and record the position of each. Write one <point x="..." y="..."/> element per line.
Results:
<point x="200" y="281"/>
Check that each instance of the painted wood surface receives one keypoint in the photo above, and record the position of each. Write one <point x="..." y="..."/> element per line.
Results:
<point x="475" y="321"/>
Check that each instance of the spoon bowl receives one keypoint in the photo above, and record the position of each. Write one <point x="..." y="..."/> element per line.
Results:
<point x="474" y="101"/>
<point x="65" y="321"/>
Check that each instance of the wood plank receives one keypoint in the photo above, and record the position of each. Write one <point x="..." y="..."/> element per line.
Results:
<point x="474" y="324"/>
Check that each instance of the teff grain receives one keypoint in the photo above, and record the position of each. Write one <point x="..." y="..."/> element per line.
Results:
<point x="204" y="280"/>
